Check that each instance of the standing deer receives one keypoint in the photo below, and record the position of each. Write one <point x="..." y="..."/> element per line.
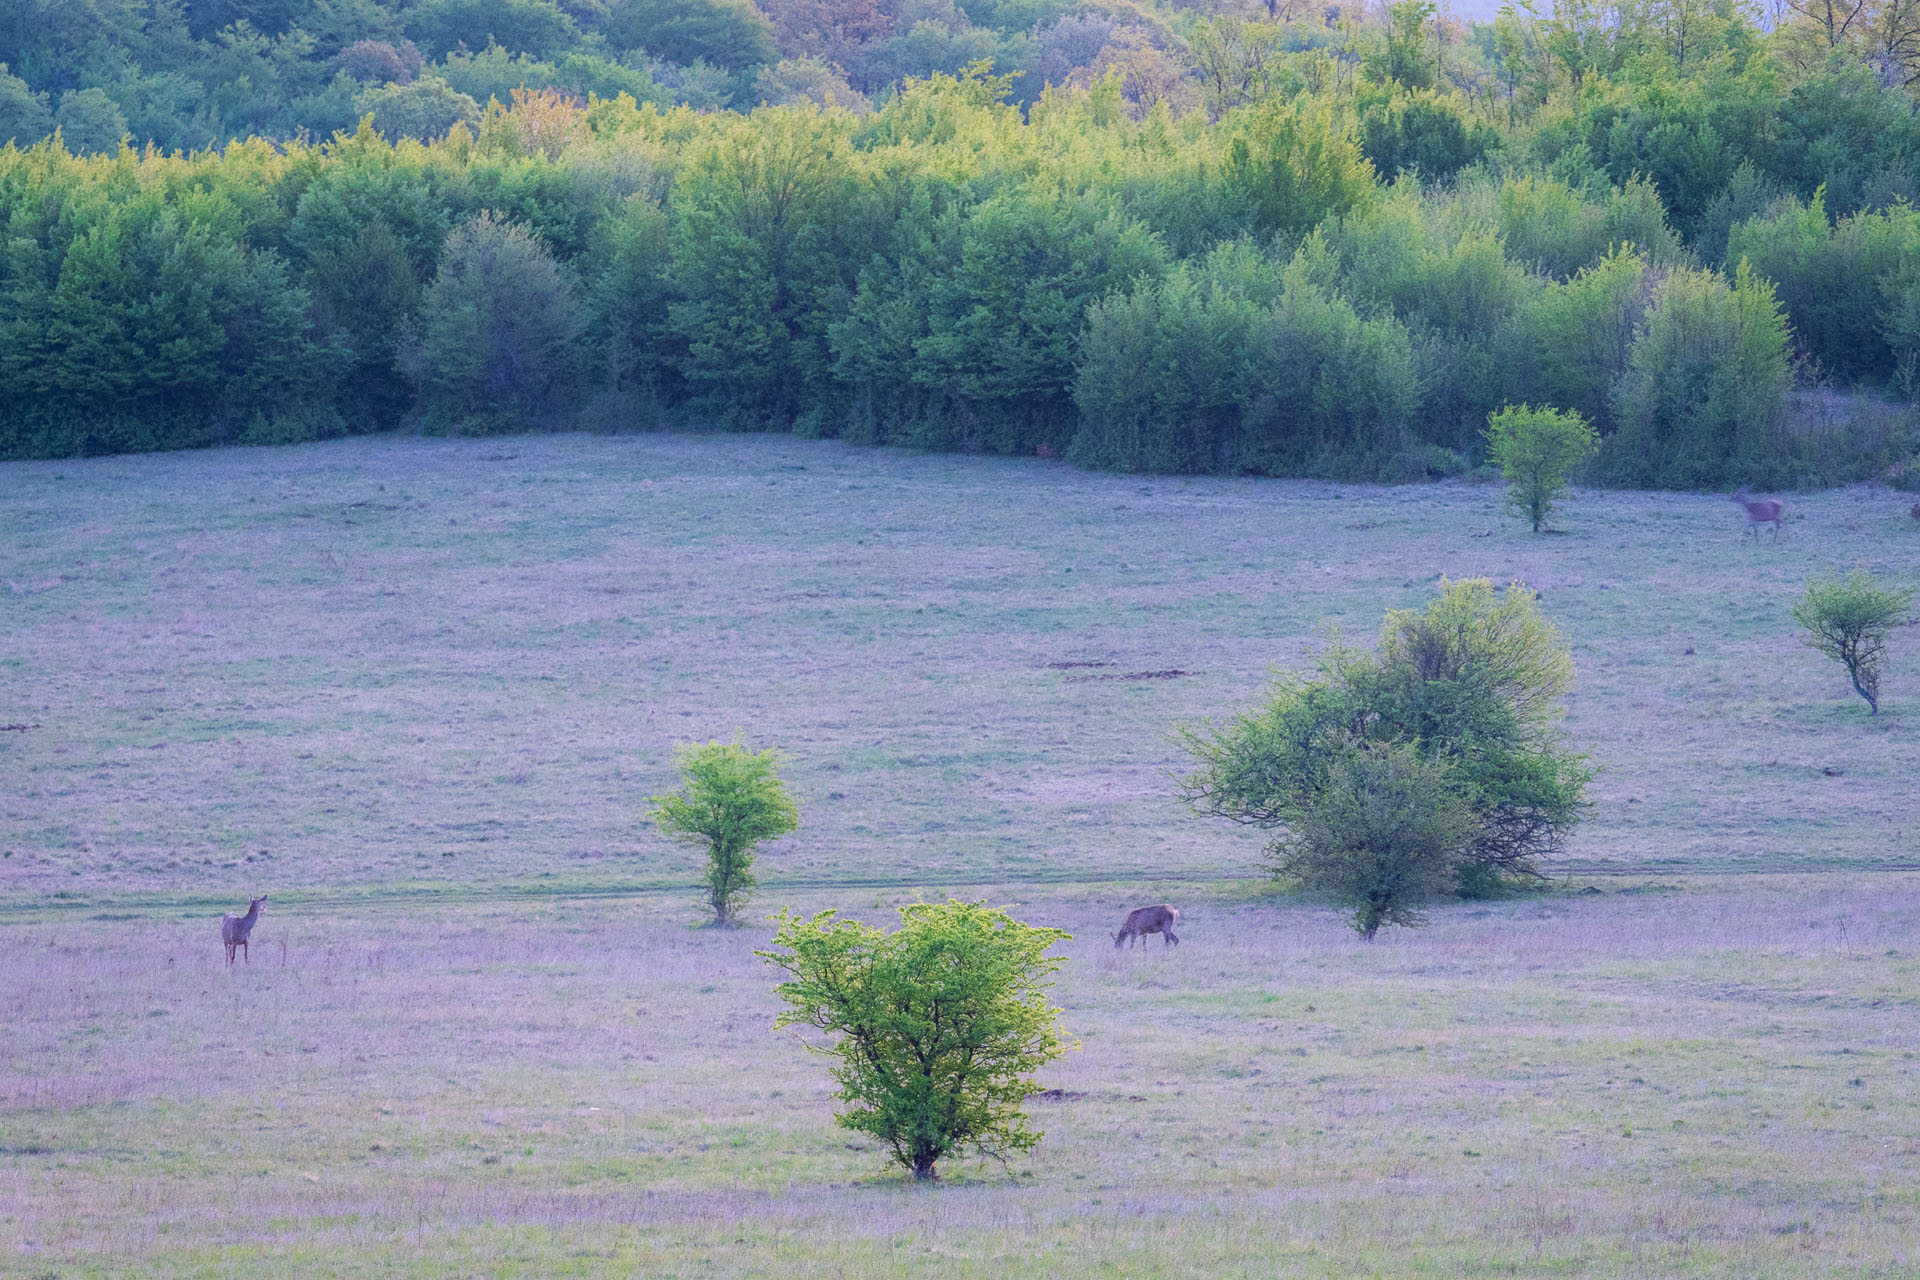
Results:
<point x="1765" y="511"/>
<point x="235" y="930"/>
<point x="1142" y="921"/>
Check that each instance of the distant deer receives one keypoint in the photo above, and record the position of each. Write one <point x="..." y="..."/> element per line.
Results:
<point x="1765" y="511"/>
<point x="1142" y="921"/>
<point x="235" y="930"/>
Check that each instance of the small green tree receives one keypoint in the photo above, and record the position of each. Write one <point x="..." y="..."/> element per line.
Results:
<point x="941" y="1023"/>
<point x="1471" y="684"/>
<point x="1385" y="836"/>
<point x="732" y="801"/>
<point x="1536" y="449"/>
<point x="1848" y="619"/>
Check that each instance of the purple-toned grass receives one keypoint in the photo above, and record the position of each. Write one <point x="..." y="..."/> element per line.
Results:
<point x="1719" y="1081"/>
<point x="418" y="692"/>
<point x="462" y="663"/>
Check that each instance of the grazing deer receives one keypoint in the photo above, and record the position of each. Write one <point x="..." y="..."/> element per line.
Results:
<point x="1765" y="511"/>
<point x="235" y="930"/>
<point x="1142" y="921"/>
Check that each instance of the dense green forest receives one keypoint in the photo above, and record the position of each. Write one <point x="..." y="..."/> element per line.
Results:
<point x="1263" y="238"/>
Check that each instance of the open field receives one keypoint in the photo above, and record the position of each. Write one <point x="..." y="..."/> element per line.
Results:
<point x="1717" y="1082"/>
<point x="417" y="691"/>
<point x="401" y="660"/>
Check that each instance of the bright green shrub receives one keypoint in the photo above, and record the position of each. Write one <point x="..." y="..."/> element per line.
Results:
<point x="731" y="800"/>
<point x="1848" y="620"/>
<point x="940" y="1024"/>
<point x="1537" y="449"/>
<point x="1295" y="167"/>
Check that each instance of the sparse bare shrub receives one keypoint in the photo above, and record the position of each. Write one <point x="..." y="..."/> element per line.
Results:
<point x="1848" y="619"/>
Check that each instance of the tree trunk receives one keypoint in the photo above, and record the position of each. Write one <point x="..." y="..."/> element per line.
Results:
<point x="1873" y="703"/>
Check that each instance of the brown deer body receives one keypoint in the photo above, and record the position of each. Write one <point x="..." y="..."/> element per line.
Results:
<point x="1142" y="921"/>
<point x="235" y="930"/>
<point x="1763" y="511"/>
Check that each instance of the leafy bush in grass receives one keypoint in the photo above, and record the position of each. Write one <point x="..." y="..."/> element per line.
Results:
<point x="732" y="801"/>
<point x="1471" y="685"/>
<point x="941" y="1023"/>
<point x="1848" y="619"/>
<point x="1537" y="449"/>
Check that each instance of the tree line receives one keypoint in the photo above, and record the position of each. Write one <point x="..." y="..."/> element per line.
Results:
<point x="1310" y="276"/>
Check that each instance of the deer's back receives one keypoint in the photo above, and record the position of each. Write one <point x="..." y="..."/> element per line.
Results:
<point x="1148" y="919"/>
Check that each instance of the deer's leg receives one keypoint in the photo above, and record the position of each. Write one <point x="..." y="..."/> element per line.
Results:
<point x="246" y="952"/>
<point x="1173" y="939"/>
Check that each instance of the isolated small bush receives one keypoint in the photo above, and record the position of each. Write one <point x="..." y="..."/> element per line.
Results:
<point x="1472" y="684"/>
<point x="496" y="344"/>
<point x="1385" y="836"/>
<point x="941" y="1023"/>
<point x="1537" y="449"/>
<point x="732" y="801"/>
<point x="1848" y="619"/>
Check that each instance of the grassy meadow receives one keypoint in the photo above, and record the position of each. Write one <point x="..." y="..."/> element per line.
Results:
<point x="418" y="691"/>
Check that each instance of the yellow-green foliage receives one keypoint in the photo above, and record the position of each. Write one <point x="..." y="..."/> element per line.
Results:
<point x="982" y="263"/>
<point x="732" y="801"/>
<point x="1537" y="449"/>
<point x="1847" y="619"/>
<point x="941" y="1023"/>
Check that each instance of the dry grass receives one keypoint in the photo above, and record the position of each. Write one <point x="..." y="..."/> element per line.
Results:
<point x="417" y="691"/>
